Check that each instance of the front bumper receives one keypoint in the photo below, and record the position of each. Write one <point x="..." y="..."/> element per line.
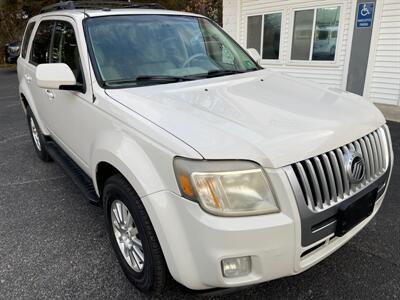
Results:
<point x="11" y="59"/>
<point x="194" y="242"/>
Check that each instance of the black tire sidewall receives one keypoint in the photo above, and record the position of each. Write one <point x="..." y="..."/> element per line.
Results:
<point x="144" y="279"/>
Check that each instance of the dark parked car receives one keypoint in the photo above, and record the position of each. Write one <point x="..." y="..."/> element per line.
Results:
<point x="12" y="52"/>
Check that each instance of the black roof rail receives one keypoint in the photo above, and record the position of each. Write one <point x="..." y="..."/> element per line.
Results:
<point x="94" y="4"/>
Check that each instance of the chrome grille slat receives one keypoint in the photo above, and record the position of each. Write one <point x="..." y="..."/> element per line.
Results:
<point x="314" y="181"/>
<point x="382" y="143"/>
<point x="379" y="149"/>
<point x="374" y="152"/>
<point x="324" y="178"/>
<point x="324" y="183"/>
<point x="366" y="159"/>
<point x="371" y="158"/>
<point x="304" y="180"/>
<point x="332" y="184"/>
<point x="336" y="171"/>
<point x="345" y="179"/>
<point x="358" y="149"/>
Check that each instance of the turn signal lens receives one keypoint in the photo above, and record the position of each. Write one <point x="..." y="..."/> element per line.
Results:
<point x="186" y="186"/>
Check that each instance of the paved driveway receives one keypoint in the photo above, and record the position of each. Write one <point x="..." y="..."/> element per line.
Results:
<point x="53" y="244"/>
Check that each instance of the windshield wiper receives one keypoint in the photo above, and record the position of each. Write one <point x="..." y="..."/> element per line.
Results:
<point x="163" y="78"/>
<point x="144" y="78"/>
<point x="215" y="73"/>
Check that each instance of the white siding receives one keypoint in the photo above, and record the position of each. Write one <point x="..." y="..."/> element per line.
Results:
<point x="231" y="10"/>
<point x="327" y="73"/>
<point x="383" y="81"/>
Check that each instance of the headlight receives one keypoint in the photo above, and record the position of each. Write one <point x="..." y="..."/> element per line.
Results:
<point x="227" y="188"/>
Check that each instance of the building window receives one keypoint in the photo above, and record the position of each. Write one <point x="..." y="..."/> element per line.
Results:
<point x="254" y="32"/>
<point x="265" y="40"/>
<point x="315" y="34"/>
<point x="272" y="36"/>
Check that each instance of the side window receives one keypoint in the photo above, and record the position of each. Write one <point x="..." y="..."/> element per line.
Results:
<point x="65" y="49"/>
<point x="40" y="53"/>
<point x="27" y="37"/>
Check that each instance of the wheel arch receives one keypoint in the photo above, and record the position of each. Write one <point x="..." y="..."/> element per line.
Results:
<point x="27" y="101"/>
<point x="109" y="166"/>
<point x="105" y="170"/>
<point x="114" y="152"/>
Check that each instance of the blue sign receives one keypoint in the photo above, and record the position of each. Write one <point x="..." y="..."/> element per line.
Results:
<point x="365" y="14"/>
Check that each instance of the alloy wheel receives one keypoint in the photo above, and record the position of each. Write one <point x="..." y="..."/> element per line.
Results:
<point x="35" y="135"/>
<point x="127" y="235"/>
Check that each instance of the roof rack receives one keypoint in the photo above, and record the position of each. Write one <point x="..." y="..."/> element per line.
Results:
<point x="64" y="5"/>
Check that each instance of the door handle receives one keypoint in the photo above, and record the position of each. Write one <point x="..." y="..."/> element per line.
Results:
<point x="50" y="94"/>
<point x="28" y="78"/>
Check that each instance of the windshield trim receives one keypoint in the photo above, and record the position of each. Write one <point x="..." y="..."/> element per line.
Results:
<point x="93" y="62"/>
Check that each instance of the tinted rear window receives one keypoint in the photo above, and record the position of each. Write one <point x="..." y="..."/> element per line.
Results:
<point x="27" y="37"/>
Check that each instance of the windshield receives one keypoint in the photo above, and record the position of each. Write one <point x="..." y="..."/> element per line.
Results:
<point x="152" y="49"/>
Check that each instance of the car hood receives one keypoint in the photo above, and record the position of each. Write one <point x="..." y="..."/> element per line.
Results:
<point x="263" y="116"/>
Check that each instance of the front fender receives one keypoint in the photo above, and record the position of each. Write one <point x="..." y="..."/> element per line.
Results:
<point x="147" y="167"/>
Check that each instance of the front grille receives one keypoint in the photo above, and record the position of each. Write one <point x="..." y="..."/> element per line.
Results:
<point x="323" y="179"/>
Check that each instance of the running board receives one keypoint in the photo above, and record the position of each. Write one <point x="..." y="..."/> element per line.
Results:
<point x="78" y="176"/>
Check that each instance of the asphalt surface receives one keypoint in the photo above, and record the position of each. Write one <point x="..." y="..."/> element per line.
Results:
<point x="53" y="243"/>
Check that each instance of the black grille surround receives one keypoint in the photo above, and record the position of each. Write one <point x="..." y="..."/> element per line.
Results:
<point x="321" y="183"/>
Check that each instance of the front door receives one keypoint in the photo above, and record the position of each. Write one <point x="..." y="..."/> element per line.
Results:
<point x="69" y="111"/>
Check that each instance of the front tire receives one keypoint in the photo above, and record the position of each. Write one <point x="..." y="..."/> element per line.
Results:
<point x="37" y="137"/>
<point x="133" y="237"/>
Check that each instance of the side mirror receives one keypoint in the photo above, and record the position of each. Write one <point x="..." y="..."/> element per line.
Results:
<point x="56" y="77"/>
<point x="254" y="55"/>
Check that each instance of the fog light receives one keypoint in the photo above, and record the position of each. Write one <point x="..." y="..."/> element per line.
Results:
<point x="236" y="266"/>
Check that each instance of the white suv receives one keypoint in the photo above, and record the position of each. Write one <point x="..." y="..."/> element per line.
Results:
<point x="209" y="167"/>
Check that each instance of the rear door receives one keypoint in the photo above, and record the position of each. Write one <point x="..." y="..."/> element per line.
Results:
<point x="39" y="54"/>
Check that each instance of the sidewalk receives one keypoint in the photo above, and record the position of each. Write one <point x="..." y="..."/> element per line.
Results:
<point x="391" y="112"/>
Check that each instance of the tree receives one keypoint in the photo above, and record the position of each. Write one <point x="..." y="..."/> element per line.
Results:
<point x="14" y="14"/>
<point x="209" y="8"/>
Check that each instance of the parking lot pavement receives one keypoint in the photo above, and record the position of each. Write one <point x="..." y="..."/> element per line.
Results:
<point x="53" y="243"/>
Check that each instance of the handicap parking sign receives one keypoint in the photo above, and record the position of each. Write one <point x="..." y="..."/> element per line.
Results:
<point x="365" y="14"/>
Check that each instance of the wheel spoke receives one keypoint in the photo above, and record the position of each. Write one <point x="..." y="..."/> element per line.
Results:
<point x="118" y="228"/>
<point x="117" y="217"/>
<point x="139" y="253"/>
<point x="138" y="260"/>
<point x="125" y="215"/>
<point x="137" y="243"/>
<point x="129" y="220"/>
<point x="133" y="259"/>
<point x="134" y="232"/>
<point x="119" y="210"/>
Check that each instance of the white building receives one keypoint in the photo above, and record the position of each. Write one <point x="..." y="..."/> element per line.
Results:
<point x="348" y="44"/>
